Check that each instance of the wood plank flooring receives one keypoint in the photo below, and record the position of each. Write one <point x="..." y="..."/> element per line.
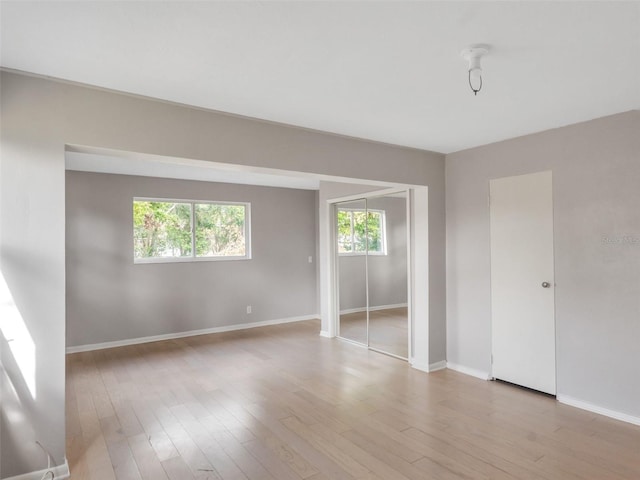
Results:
<point x="282" y="403"/>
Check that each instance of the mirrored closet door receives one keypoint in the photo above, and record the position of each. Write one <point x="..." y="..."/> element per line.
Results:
<point x="387" y="274"/>
<point x="352" y="270"/>
<point x="372" y="274"/>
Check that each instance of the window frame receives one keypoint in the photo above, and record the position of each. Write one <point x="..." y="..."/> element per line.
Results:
<point x="193" y="257"/>
<point x="383" y="228"/>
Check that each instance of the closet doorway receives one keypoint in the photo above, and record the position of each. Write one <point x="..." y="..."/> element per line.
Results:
<point x="372" y="259"/>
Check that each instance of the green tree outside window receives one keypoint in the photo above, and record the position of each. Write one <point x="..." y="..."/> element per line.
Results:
<point x="219" y="230"/>
<point x="161" y="229"/>
<point x="172" y="229"/>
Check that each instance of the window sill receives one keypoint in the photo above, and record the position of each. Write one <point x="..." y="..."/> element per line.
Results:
<point x="145" y="261"/>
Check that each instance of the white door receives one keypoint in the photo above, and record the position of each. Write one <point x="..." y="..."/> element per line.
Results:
<point x="522" y="283"/>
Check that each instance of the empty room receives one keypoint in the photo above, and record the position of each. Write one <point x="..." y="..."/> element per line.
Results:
<point x="319" y="240"/>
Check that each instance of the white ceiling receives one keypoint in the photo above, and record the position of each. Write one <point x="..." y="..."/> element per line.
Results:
<point x="386" y="71"/>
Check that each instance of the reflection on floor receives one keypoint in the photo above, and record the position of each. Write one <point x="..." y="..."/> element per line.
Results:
<point x="282" y="403"/>
<point x="388" y="329"/>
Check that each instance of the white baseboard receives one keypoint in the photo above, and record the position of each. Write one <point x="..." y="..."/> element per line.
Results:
<point x="59" y="472"/>
<point x="441" y="365"/>
<point x="372" y="309"/>
<point x="325" y="334"/>
<point x="574" y="402"/>
<point x="432" y="367"/>
<point x="423" y="367"/>
<point x="190" y="333"/>
<point x="468" y="371"/>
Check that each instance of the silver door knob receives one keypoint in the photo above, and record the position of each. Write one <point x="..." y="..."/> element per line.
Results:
<point x="546" y="284"/>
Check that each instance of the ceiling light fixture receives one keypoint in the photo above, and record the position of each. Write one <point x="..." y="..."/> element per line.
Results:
<point x="472" y="55"/>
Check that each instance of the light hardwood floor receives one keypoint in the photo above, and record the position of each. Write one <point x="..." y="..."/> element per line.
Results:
<point x="283" y="403"/>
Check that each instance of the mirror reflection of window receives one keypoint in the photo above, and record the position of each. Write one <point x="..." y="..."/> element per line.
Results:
<point x="359" y="229"/>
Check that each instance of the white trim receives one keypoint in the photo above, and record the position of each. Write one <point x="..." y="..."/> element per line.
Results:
<point x="326" y="334"/>
<point x="423" y="367"/>
<point x="186" y="200"/>
<point x="330" y="286"/>
<point x="468" y="371"/>
<point x="59" y="472"/>
<point x="373" y="309"/>
<point x="409" y="223"/>
<point x="441" y="365"/>
<point x="371" y="193"/>
<point x="574" y="402"/>
<point x="421" y="273"/>
<point x="190" y="333"/>
<point x="433" y="367"/>
<point x="216" y="258"/>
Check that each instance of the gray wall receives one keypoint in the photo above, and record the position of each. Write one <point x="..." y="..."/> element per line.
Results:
<point x="40" y="116"/>
<point x="596" y="189"/>
<point x="110" y="298"/>
<point x="387" y="273"/>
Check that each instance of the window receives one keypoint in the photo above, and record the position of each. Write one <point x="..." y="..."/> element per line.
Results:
<point x="359" y="228"/>
<point x="184" y="230"/>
